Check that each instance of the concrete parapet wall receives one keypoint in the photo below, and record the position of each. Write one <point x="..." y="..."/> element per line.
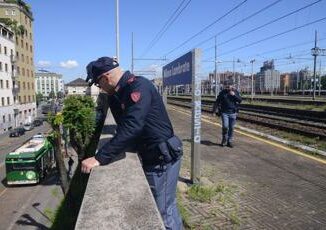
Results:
<point x="118" y="197"/>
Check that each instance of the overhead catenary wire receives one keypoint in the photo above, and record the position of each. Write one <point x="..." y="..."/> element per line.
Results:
<point x="166" y="26"/>
<point x="239" y="22"/>
<point x="207" y="27"/>
<point x="274" y="36"/>
<point x="265" y="24"/>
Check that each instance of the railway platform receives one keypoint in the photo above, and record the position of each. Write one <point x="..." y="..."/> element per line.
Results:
<point x="258" y="184"/>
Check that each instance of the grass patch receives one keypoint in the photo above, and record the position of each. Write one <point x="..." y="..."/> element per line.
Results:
<point x="50" y="214"/>
<point x="55" y="192"/>
<point x="201" y="193"/>
<point x="206" y="194"/>
<point x="183" y="211"/>
<point x="234" y="218"/>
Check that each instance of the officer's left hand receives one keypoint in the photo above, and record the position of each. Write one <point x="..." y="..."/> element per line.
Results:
<point x="88" y="164"/>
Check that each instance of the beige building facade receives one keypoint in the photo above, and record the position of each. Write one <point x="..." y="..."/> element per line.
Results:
<point x="17" y="15"/>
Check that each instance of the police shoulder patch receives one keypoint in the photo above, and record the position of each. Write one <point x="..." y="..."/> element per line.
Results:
<point x="130" y="80"/>
<point x="135" y="96"/>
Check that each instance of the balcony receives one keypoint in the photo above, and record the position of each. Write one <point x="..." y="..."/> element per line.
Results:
<point x="14" y="75"/>
<point x="13" y="58"/>
<point x="15" y="90"/>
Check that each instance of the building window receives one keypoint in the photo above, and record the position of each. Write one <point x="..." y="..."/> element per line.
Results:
<point x="18" y="70"/>
<point x="23" y="72"/>
<point x="24" y="99"/>
<point x="2" y="101"/>
<point x="29" y="98"/>
<point x="22" y="43"/>
<point x="7" y="84"/>
<point x="26" y="46"/>
<point x="1" y="84"/>
<point x="13" y="12"/>
<point x="22" y="57"/>
<point x="0" y="49"/>
<point x="31" y="48"/>
<point x="8" y="100"/>
<point x="4" y="119"/>
<point x="9" y="116"/>
<point x="23" y="85"/>
<point x="0" y="66"/>
<point x="6" y="67"/>
<point x="5" y="50"/>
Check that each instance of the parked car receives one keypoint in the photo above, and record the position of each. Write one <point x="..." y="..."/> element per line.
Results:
<point x="38" y="122"/>
<point x="28" y="126"/>
<point x="17" y="132"/>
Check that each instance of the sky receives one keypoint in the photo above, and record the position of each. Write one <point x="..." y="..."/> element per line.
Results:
<point x="68" y="34"/>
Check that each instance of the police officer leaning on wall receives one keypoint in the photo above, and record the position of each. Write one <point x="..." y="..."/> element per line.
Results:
<point x="142" y="121"/>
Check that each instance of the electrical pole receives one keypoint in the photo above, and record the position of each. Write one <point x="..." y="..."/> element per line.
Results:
<point x="215" y="72"/>
<point x="316" y="51"/>
<point x="319" y="81"/>
<point x="233" y="75"/>
<point x="315" y="59"/>
<point x="117" y="31"/>
<point x="252" y="79"/>
<point x="132" y="52"/>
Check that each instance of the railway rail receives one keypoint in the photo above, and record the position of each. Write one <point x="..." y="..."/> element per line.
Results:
<point x="275" y="121"/>
<point x="306" y="115"/>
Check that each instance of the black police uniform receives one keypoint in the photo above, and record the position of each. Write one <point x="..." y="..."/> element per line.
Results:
<point x="142" y="121"/>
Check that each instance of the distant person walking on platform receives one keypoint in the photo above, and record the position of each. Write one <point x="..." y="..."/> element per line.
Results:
<point x="143" y="123"/>
<point x="226" y="106"/>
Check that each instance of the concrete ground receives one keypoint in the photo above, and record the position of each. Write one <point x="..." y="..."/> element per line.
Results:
<point x="259" y="185"/>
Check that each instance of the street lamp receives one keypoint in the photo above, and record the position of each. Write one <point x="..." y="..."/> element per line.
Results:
<point x="252" y="79"/>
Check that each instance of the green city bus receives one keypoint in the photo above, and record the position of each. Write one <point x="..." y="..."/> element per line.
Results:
<point x="30" y="163"/>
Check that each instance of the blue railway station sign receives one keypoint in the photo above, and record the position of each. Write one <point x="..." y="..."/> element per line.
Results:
<point x="179" y="72"/>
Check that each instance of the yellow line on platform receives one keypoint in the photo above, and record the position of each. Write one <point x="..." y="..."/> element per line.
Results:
<point x="261" y="139"/>
<point x="3" y="192"/>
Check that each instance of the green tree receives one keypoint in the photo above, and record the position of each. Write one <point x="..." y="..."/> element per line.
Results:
<point x="60" y="94"/>
<point x="56" y="120"/>
<point x="323" y="82"/>
<point x="79" y="119"/>
<point x="52" y="94"/>
<point x="39" y="98"/>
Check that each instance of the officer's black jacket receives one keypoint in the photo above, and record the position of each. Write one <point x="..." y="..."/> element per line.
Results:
<point x="226" y="102"/>
<point x="141" y="118"/>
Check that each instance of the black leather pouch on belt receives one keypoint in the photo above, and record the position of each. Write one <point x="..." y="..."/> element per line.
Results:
<point x="171" y="150"/>
<point x="165" y="153"/>
<point x="175" y="146"/>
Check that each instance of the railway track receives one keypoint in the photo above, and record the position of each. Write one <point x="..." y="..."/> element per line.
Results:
<point x="284" y="123"/>
<point x="306" y="115"/>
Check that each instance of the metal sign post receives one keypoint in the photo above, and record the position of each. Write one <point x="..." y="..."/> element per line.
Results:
<point x="196" y="117"/>
<point x="183" y="71"/>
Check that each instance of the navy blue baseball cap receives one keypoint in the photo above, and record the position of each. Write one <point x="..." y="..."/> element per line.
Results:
<point x="97" y="68"/>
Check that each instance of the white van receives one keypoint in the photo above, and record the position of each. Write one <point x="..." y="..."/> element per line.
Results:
<point x="28" y="126"/>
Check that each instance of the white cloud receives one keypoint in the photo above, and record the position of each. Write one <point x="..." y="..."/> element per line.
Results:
<point x="70" y="64"/>
<point x="43" y="64"/>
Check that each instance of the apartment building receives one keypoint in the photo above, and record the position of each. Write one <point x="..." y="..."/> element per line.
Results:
<point x="18" y="17"/>
<point x="7" y="91"/>
<point x="47" y="82"/>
